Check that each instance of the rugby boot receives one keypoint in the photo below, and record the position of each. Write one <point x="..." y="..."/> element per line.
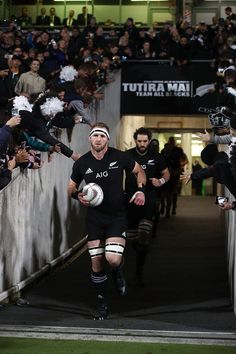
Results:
<point x="102" y="309"/>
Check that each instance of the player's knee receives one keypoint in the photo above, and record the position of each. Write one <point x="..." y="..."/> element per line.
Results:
<point x="113" y="260"/>
<point x="144" y="231"/>
<point x="113" y="253"/>
<point x="132" y="234"/>
<point x="145" y="227"/>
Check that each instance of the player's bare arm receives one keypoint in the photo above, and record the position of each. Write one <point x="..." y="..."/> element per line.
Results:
<point x="158" y="182"/>
<point x="73" y="192"/>
<point x="139" y="197"/>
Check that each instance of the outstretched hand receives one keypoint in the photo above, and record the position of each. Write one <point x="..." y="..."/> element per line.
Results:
<point x="226" y="206"/>
<point x="204" y="136"/>
<point x="185" y="177"/>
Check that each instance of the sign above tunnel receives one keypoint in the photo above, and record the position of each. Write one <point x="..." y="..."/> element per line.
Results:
<point x="154" y="88"/>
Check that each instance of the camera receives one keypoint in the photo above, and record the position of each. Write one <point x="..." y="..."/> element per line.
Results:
<point x="221" y="200"/>
<point x="15" y="112"/>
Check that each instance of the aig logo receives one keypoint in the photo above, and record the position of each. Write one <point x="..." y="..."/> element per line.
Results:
<point x="102" y="174"/>
<point x="144" y="167"/>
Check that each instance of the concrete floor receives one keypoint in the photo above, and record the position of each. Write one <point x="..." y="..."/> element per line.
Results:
<point x="186" y="282"/>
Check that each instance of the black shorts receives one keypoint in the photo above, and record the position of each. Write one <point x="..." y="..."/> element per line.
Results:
<point x="102" y="226"/>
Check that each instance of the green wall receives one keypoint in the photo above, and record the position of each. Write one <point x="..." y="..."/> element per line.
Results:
<point x="140" y="13"/>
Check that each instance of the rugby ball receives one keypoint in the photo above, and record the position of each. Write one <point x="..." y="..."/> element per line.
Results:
<point x="93" y="193"/>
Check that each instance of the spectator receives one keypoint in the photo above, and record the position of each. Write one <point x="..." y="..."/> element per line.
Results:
<point x="145" y="52"/>
<point x="132" y="30"/>
<point x="70" y="21"/>
<point x="127" y="53"/>
<point x="91" y="28"/>
<point x="164" y="46"/>
<point x="83" y="19"/>
<point x="54" y="19"/>
<point x="42" y="42"/>
<point x="43" y="19"/>
<point x="24" y="20"/>
<point x="4" y="70"/>
<point x="31" y="82"/>
<point x="217" y="167"/>
<point x="124" y="40"/>
<point x="6" y="172"/>
<point x="182" y="52"/>
<point x="27" y="58"/>
<point x="75" y="44"/>
<point x="35" y="119"/>
<point x="7" y="43"/>
<point x="230" y="18"/>
<point x="59" y="54"/>
<point x="78" y="103"/>
<point x="13" y="76"/>
<point x="99" y="40"/>
<point x="5" y="133"/>
<point x="44" y="71"/>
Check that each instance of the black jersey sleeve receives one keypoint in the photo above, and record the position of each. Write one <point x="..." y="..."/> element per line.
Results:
<point x="77" y="175"/>
<point x="128" y="161"/>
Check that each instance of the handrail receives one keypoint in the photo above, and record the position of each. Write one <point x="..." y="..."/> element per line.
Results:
<point x="165" y="61"/>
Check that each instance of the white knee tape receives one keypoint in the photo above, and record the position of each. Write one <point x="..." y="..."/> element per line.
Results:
<point x="96" y="251"/>
<point x="114" y="248"/>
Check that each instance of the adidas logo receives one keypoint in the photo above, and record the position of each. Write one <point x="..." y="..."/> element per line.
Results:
<point x="88" y="171"/>
<point x="150" y="162"/>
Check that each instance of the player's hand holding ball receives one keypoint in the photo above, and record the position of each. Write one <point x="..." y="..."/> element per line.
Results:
<point x="92" y="195"/>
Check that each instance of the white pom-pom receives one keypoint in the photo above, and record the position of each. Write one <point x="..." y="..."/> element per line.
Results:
<point x="21" y="103"/>
<point x="93" y="193"/>
<point x="52" y="106"/>
<point x="232" y="91"/>
<point x="68" y="73"/>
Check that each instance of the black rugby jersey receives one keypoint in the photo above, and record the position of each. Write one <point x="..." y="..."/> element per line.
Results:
<point x="152" y="163"/>
<point x="108" y="174"/>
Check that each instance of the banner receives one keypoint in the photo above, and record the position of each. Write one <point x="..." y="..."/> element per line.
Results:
<point x="154" y="88"/>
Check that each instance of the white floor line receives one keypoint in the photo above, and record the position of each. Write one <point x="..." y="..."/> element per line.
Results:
<point x="119" y="335"/>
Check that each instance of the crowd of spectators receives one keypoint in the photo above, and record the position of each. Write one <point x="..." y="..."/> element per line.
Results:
<point x="44" y="65"/>
<point x="220" y="164"/>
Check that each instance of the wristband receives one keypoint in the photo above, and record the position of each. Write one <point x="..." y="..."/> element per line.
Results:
<point x="74" y="195"/>
<point x="141" y="189"/>
<point x="162" y="180"/>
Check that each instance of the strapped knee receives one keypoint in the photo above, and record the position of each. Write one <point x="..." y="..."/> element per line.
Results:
<point x="96" y="251"/>
<point x="114" y="248"/>
<point x="145" y="226"/>
<point x="132" y="234"/>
